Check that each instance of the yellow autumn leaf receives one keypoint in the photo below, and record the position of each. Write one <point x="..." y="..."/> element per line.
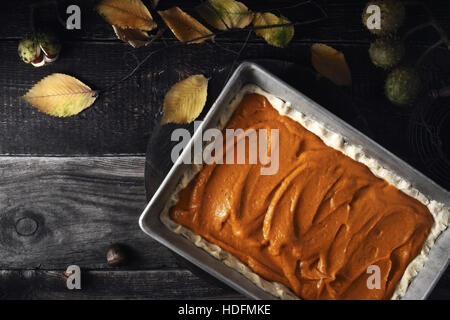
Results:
<point x="60" y="95"/>
<point x="331" y="63"/>
<point x="184" y="27"/>
<point x="225" y="14"/>
<point x="127" y="14"/>
<point x="136" y="38"/>
<point x="185" y="100"/>
<point x="276" y="36"/>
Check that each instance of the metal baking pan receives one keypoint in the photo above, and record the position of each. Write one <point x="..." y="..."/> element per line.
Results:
<point x="247" y="73"/>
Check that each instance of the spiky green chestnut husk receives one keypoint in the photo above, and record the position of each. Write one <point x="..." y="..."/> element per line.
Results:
<point x="403" y="85"/>
<point x="392" y="16"/>
<point x="29" y="49"/>
<point x="39" y="48"/>
<point x="49" y="43"/>
<point x="386" y="53"/>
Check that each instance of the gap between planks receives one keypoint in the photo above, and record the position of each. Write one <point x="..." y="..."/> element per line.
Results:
<point x="58" y="211"/>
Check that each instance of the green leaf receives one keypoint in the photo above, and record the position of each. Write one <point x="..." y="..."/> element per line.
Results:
<point x="275" y="36"/>
<point x="225" y="14"/>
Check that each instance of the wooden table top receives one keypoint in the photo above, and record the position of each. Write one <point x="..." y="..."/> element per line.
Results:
<point x="70" y="187"/>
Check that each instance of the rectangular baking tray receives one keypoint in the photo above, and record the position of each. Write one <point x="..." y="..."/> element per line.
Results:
<point x="251" y="73"/>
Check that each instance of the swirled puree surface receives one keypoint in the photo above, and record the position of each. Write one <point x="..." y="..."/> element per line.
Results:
<point x="316" y="225"/>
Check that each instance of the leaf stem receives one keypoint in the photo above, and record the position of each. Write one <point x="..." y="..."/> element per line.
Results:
<point x="416" y="28"/>
<point x="433" y="23"/>
<point x="441" y="32"/>
<point x="213" y="34"/>
<point x="422" y="57"/>
<point x="436" y="26"/>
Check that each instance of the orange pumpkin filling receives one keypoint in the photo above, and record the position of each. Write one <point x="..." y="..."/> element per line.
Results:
<point x="315" y="226"/>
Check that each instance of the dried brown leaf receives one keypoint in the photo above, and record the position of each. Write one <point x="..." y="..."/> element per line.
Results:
<point x="184" y="27"/>
<point x="331" y="63"/>
<point x="136" y="38"/>
<point x="127" y="14"/>
<point x="225" y="14"/>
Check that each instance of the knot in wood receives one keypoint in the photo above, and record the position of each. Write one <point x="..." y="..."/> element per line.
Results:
<point x="26" y="226"/>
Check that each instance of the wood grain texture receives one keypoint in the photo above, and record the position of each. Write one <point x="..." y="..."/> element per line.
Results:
<point x="95" y="28"/>
<point x="60" y="211"/>
<point x="120" y="121"/>
<point x="343" y="23"/>
<point x="174" y="284"/>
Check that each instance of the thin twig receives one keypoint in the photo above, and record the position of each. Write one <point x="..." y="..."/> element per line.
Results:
<point x="237" y="57"/>
<point x="422" y="57"/>
<point x="214" y="34"/>
<point x="416" y="28"/>
<point x="129" y="75"/>
<point x="433" y="23"/>
<point x="295" y="5"/>
<point x="442" y="33"/>
<point x="213" y="10"/>
<point x="436" y="26"/>
<point x="224" y="48"/>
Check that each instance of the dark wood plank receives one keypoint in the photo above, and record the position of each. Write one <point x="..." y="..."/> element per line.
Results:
<point x="343" y="23"/>
<point x="113" y="284"/>
<point x="121" y="121"/>
<point x="174" y="284"/>
<point x="60" y="211"/>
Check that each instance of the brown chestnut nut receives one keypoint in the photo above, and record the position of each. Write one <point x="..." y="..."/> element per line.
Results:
<point x="115" y="255"/>
<point x="65" y="275"/>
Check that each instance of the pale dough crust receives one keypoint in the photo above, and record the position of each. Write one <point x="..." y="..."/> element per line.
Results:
<point x="334" y="140"/>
